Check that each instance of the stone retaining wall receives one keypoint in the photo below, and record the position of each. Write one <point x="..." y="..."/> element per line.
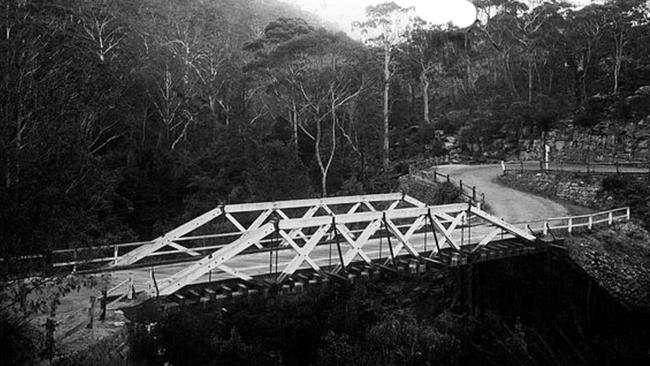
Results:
<point x="581" y="189"/>
<point x="606" y="142"/>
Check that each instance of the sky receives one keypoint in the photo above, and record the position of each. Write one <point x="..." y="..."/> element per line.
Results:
<point x="343" y="12"/>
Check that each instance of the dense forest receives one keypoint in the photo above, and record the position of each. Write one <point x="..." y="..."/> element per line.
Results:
<point x="123" y="118"/>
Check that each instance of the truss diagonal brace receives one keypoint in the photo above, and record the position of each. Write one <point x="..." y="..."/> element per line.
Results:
<point x="502" y="224"/>
<point x="447" y="232"/>
<point x="404" y="241"/>
<point x="146" y="249"/>
<point x="358" y="244"/>
<point x="303" y="254"/>
<point x="214" y="260"/>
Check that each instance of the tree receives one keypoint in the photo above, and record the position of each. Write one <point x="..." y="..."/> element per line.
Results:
<point x="385" y="27"/>
<point x="430" y="51"/>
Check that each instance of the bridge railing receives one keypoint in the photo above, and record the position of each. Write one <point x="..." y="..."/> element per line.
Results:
<point x="570" y="223"/>
<point x="81" y="261"/>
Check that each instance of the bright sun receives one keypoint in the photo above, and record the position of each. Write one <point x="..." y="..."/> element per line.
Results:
<point x="343" y="12"/>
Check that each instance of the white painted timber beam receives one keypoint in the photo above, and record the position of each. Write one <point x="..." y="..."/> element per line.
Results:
<point x="247" y="207"/>
<point x="502" y="224"/>
<point x="213" y="261"/>
<point x="402" y="213"/>
<point x="299" y="250"/>
<point x="446" y="233"/>
<point x="357" y="244"/>
<point x="403" y="241"/>
<point x="417" y="224"/>
<point x="455" y="221"/>
<point x="303" y="253"/>
<point x="145" y="250"/>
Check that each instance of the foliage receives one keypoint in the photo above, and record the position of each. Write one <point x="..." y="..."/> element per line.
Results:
<point x="630" y="191"/>
<point x="120" y="121"/>
<point x="412" y="321"/>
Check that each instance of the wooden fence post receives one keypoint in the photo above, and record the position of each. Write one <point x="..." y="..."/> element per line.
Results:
<point x="131" y="289"/>
<point x="610" y="217"/>
<point x="102" y="304"/>
<point x="115" y="254"/>
<point x="591" y="222"/>
<point x="570" y="228"/>
<point x="474" y="193"/>
<point x="74" y="256"/>
<point x="91" y="313"/>
<point x="627" y="213"/>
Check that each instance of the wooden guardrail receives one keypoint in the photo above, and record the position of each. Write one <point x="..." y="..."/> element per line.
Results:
<point x="467" y="192"/>
<point x="570" y="223"/>
<point x="625" y="168"/>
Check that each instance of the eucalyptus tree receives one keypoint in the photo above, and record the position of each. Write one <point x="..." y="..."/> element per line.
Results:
<point x="430" y="53"/>
<point x="312" y="72"/>
<point x="385" y="27"/>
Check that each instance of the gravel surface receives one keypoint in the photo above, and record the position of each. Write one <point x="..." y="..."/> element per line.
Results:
<point x="508" y="203"/>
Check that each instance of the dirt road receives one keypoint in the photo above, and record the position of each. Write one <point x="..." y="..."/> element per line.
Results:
<point x="508" y="203"/>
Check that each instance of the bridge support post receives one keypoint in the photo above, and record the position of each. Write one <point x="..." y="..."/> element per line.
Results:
<point x="470" y="288"/>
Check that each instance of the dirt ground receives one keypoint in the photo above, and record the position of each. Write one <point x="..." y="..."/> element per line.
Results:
<point x="508" y="203"/>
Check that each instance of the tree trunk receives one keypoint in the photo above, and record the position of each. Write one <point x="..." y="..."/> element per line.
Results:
<point x="425" y="97"/>
<point x="386" y="158"/>
<point x="319" y="159"/>
<point x="618" y="43"/>
<point x="294" y="122"/>
<point x="530" y="79"/>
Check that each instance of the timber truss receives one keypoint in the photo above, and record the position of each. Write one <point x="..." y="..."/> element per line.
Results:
<point x="300" y="235"/>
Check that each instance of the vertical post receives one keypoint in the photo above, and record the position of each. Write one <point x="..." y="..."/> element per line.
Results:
<point x="447" y="178"/>
<point x="461" y="186"/>
<point x="115" y="254"/>
<point x="570" y="228"/>
<point x="469" y="227"/>
<point x="131" y="289"/>
<point x="102" y="304"/>
<point x="91" y="313"/>
<point x="545" y="227"/>
<point x="474" y="193"/>
<point x="435" y="175"/>
<point x="610" y="217"/>
<point x="627" y="213"/>
<point x="462" y="232"/>
<point x="591" y="222"/>
<point x="470" y="289"/>
<point x="74" y="260"/>
<point x="521" y="163"/>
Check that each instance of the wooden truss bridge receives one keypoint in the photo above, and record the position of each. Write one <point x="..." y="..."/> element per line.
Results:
<point x="278" y="243"/>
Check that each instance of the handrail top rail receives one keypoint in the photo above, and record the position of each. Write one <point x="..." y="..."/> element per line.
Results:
<point x="588" y="215"/>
